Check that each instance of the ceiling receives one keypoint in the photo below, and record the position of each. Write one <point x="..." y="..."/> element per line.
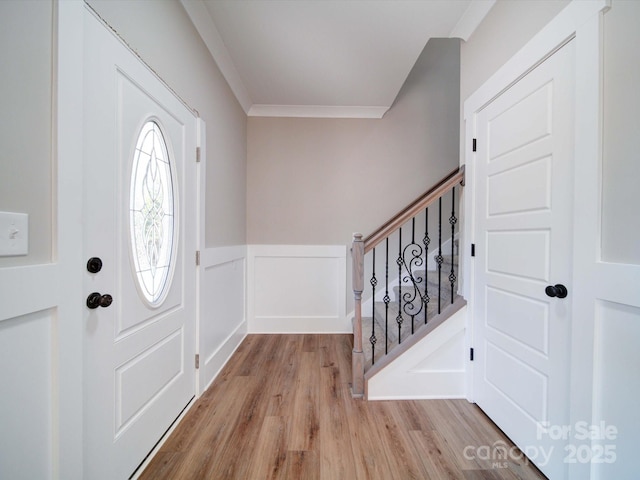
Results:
<point x="325" y="58"/>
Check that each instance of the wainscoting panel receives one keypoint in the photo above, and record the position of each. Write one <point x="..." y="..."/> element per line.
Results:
<point x="223" y="323"/>
<point x="27" y="368"/>
<point x="297" y="289"/>
<point x="616" y="420"/>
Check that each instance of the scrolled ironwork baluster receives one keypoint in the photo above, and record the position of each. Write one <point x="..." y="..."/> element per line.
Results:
<point x="411" y="259"/>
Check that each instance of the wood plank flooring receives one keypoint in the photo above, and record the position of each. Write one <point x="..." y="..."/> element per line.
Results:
<point x="281" y="409"/>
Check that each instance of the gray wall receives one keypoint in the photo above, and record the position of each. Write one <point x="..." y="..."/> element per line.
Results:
<point x="621" y="162"/>
<point x="508" y="26"/>
<point x="163" y="35"/>
<point x="316" y="181"/>
<point x="26" y="158"/>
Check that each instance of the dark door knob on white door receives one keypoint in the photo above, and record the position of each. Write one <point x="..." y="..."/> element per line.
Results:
<point x="557" y="290"/>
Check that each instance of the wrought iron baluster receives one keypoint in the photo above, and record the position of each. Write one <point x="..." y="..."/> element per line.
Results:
<point x="453" y="220"/>
<point x="374" y="282"/>
<point x="412" y="259"/>
<point x="386" y="298"/>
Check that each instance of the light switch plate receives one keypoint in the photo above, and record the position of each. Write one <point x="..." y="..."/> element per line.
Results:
<point x="14" y="234"/>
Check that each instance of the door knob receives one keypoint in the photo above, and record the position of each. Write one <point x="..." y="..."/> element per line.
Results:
<point x="94" y="265"/>
<point x="95" y="300"/>
<point x="557" y="290"/>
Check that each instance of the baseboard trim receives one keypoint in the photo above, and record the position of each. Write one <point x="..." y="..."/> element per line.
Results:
<point x="416" y="397"/>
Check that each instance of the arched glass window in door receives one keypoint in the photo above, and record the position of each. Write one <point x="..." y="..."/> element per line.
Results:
<point x="151" y="212"/>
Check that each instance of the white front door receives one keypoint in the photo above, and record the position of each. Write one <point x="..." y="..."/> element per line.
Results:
<point x="523" y="232"/>
<point x="140" y="221"/>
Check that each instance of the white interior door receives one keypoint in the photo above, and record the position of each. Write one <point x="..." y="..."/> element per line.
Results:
<point x="523" y="199"/>
<point x="140" y="217"/>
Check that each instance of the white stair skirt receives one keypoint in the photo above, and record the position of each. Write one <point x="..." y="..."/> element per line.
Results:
<point x="433" y="368"/>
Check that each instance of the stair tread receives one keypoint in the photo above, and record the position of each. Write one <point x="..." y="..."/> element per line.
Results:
<point x="424" y="280"/>
<point x="392" y="334"/>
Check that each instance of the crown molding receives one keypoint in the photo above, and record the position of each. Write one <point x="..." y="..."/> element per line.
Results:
<point x="316" y="111"/>
<point x="471" y="18"/>
<point x="201" y="19"/>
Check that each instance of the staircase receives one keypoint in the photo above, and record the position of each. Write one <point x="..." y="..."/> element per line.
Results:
<point x="393" y="323"/>
<point x="404" y="301"/>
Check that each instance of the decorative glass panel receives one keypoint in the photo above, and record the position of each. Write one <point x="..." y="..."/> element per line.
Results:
<point x="152" y="218"/>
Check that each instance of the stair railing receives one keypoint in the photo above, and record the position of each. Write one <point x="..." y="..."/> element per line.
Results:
<point x="414" y="302"/>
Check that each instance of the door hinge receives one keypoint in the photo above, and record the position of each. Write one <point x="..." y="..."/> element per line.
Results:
<point x="473" y="249"/>
<point x="197" y="154"/>
<point x="197" y="258"/>
<point x="471" y="354"/>
<point x="197" y="360"/>
<point x="474" y="145"/>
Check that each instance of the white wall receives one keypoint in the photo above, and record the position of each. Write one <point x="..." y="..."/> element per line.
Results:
<point x="27" y="433"/>
<point x="617" y="388"/>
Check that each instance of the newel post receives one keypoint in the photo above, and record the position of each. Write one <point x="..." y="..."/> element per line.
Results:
<point x="357" y="256"/>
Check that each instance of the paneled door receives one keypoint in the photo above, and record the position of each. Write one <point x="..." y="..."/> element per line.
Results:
<point x="523" y="265"/>
<point x="140" y="219"/>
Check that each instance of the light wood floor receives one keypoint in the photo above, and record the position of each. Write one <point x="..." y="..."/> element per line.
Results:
<point x="281" y="409"/>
